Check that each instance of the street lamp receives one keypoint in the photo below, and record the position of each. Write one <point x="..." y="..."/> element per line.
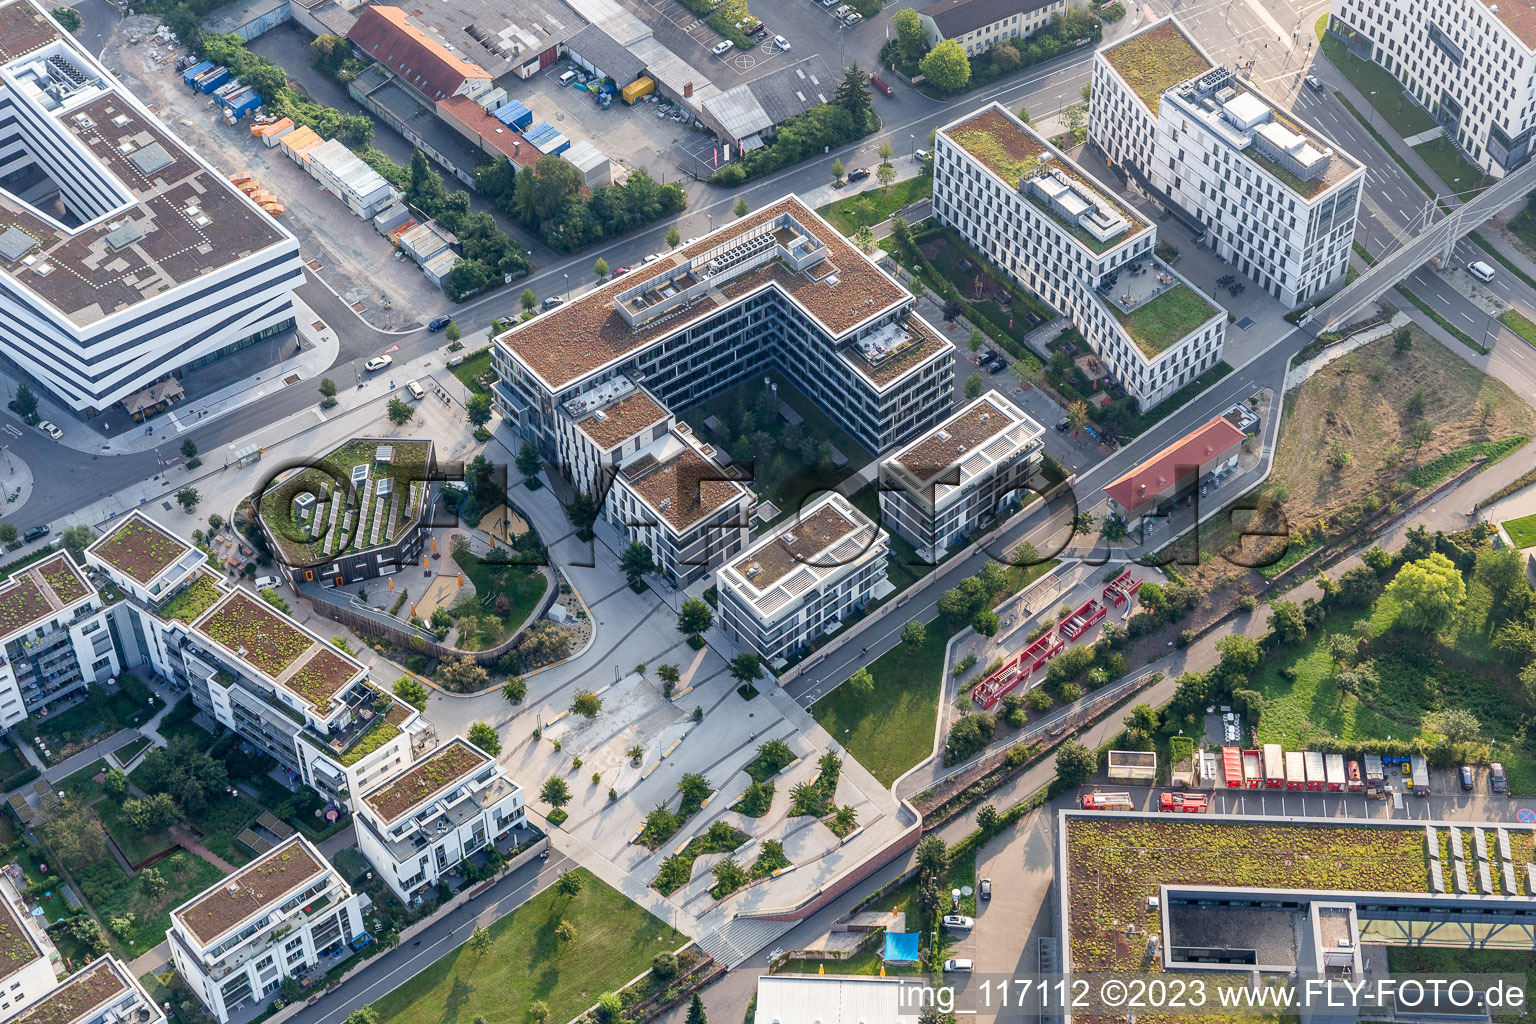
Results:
<point x="711" y="222"/>
<point x="567" y="286"/>
<point x="913" y="148"/>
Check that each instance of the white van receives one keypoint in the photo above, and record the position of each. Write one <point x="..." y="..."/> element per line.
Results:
<point x="1480" y="270"/>
<point x="568" y="78"/>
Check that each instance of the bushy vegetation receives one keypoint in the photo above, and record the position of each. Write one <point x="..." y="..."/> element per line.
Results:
<point x="846" y="117"/>
<point x="547" y="198"/>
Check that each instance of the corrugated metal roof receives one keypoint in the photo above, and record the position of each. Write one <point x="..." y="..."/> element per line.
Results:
<point x="583" y="155"/>
<point x="346" y="167"/>
<point x="613" y="58"/>
<point x="774" y="98"/>
<point x="828" y="999"/>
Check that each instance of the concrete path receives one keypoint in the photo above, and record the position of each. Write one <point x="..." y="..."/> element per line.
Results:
<point x="191" y="845"/>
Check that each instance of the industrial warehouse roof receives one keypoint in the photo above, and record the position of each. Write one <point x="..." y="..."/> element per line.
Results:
<point x="774" y="98"/>
<point x="422" y="60"/>
<point x="957" y="17"/>
<point x="190" y="220"/>
<point x="595" y="46"/>
<point x="495" y="35"/>
<point x="348" y="168"/>
<point x="1174" y="463"/>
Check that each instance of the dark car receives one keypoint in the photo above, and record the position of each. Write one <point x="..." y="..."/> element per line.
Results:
<point x="1496" y="779"/>
<point x="37" y="532"/>
<point x="439" y="323"/>
<point x="986" y="888"/>
<point x="1062" y="424"/>
<point x="858" y="174"/>
<point x="1466" y="777"/>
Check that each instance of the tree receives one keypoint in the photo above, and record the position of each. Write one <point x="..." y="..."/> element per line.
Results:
<point x="1343" y="648"/>
<point x="862" y="682"/>
<point x="600" y="268"/>
<point x="1402" y="340"/>
<point x="528" y="299"/>
<point x="695" y="617"/>
<point x="188" y="448"/>
<point x="586" y="703"/>
<point x="864" y="238"/>
<point x="480" y="941"/>
<point x="746" y="667"/>
<point x="1075" y="763"/>
<point x="453" y="333"/>
<point x="399" y="412"/>
<point x="914" y="634"/>
<point x="1457" y="725"/>
<point x="1430" y="592"/>
<point x="946" y="66"/>
<point x="477" y="410"/>
<point x="969" y="735"/>
<point x="973" y="341"/>
<point x="155" y="812"/>
<point x="986" y="623"/>
<point x="8" y="533"/>
<point x="568" y="885"/>
<point x="853" y="96"/>
<point x="26" y="403"/>
<point x="672" y="237"/>
<point x="1077" y="416"/>
<point x="555" y="793"/>
<point x="1240" y="655"/>
<point x="75" y="539"/>
<point x="483" y="735"/>
<point x="538" y="1012"/>
<point x="1286" y="619"/>
<point x="885" y="174"/>
<point x="932" y="855"/>
<point x="696" y="1011"/>
<point x="987" y="818"/>
<point x="565" y="932"/>
<point x="68" y="18"/>
<point x="636" y="561"/>
<point x="974" y="386"/>
<point x="1141" y="725"/>
<point x="515" y="690"/>
<point x="838" y="170"/>
<point x="188" y="498"/>
<point x="911" y="37"/>
<point x="741" y="209"/>
<point x="1074" y="117"/>
<point x="412" y="691"/>
<point x="115" y="785"/>
<point x="1420" y="433"/>
<point x="461" y="675"/>
<point x="367" y="1014"/>
<point x="1024" y="114"/>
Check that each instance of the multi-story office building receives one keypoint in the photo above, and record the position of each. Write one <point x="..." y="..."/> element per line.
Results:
<point x="278" y="916"/>
<point x="1470" y="64"/>
<point x="1060" y="233"/>
<point x="674" y="497"/>
<point x="52" y="636"/>
<point x="803" y="578"/>
<point x="961" y="474"/>
<point x="423" y="823"/>
<point x="1275" y="198"/>
<point x="253" y="669"/>
<point x="123" y="255"/>
<point x="103" y="992"/>
<point x="779" y="288"/>
<point x="979" y="25"/>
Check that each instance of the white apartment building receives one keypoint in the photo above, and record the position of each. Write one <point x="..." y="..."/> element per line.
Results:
<point x="1276" y="199"/>
<point x="424" y="822"/>
<point x="52" y="637"/>
<point x="103" y="992"/>
<point x="779" y="288"/>
<point x="1059" y="232"/>
<point x="803" y="578"/>
<point x="275" y="918"/>
<point x="674" y="497"/>
<point x="30" y="966"/>
<point x="1471" y="64"/>
<point x="252" y="668"/>
<point x="979" y="25"/>
<point x="977" y="464"/>
<point x="123" y="255"/>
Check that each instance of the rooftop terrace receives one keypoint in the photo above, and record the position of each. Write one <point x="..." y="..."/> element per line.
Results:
<point x="436" y="773"/>
<point x="800" y="543"/>
<point x="39" y="591"/>
<point x="366" y="493"/>
<point x="1156" y="59"/>
<point x="1156" y="308"/>
<point x="255" y="888"/>
<point x="841" y="291"/>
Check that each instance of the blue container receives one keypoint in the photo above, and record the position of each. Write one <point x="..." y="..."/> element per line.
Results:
<point x="211" y="80"/>
<point x="514" y="114"/>
<point x="190" y="75"/>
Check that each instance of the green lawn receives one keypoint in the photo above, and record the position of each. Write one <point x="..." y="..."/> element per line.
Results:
<point x="876" y="205"/>
<point x="95" y="718"/>
<point x="223" y="820"/>
<point x="1378" y="86"/>
<point x="1522" y="531"/>
<point x="1156" y="325"/>
<point x="615" y="940"/>
<point x="1455" y="170"/>
<point x="474" y="366"/>
<point x="892" y="729"/>
<point x="136" y="845"/>
<point x="522" y="585"/>
<point x="112" y="894"/>
<point x="1521" y="324"/>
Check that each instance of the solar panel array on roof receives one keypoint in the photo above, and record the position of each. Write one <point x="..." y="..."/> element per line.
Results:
<point x="152" y="158"/>
<point x="15" y="243"/>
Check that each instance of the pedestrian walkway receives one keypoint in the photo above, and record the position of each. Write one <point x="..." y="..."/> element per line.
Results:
<point x="191" y="845"/>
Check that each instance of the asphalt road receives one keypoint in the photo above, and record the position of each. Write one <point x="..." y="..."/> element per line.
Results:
<point x="394" y="967"/>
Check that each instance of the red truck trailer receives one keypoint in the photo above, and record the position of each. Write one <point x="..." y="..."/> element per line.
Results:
<point x="1097" y="801"/>
<point x="1295" y="770"/>
<point x="1232" y="766"/>
<point x="1333" y="771"/>
<point x="1253" y="773"/>
<point x="1316" y="774"/>
<point x="1274" y="766"/>
<point x="1184" y="803"/>
<point x="880" y="83"/>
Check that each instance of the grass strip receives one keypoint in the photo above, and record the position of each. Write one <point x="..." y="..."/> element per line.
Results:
<point x="1504" y="261"/>
<point x="1382" y="142"/>
<point x="1521" y="324"/>
<point x="1457" y="459"/>
<point x="1459" y="334"/>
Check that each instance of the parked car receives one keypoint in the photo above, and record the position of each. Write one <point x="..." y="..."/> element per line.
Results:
<point x="50" y="429"/>
<point x="853" y="19"/>
<point x="757" y="30"/>
<point x="651" y="257"/>
<point x="986" y="888"/>
<point x="842" y="11"/>
<point x="552" y="301"/>
<point x="958" y="921"/>
<point x="1314" y="83"/>
<point x="781" y="42"/>
<point x="1062" y="424"/>
<point x="621" y="271"/>
<point x="1497" y="781"/>
<point x="858" y="174"/>
<point x="723" y="47"/>
<point x="39" y="531"/>
<point x="438" y="323"/>
<point x="958" y="965"/>
<point x="1466" y="778"/>
<point x="263" y="582"/>
<point x="417" y="391"/>
<point x="920" y="155"/>
<point x="377" y="363"/>
<point x="829" y="3"/>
